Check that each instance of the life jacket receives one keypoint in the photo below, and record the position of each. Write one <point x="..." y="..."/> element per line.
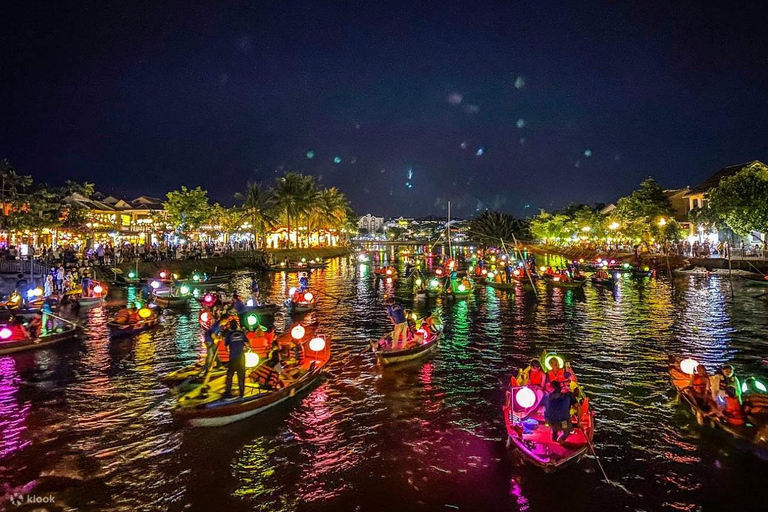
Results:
<point x="536" y="377"/>
<point x="733" y="412"/>
<point x="699" y="384"/>
<point x="298" y="352"/>
<point x="558" y="375"/>
<point x="222" y="350"/>
<point x="266" y="377"/>
<point x="513" y="382"/>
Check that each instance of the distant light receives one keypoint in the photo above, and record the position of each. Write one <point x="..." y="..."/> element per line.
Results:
<point x="155" y="285"/>
<point x="311" y="154"/>
<point x="184" y="290"/>
<point x="163" y="274"/>
<point x="131" y="275"/>
<point x="480" y="151"/>
<point x="587" y="153"/>
<point x="520" y="123"/>
<point x="337" y="159"/>
<point x="196" y="277"/>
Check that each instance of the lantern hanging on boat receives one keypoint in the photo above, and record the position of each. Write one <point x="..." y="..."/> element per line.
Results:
<point x="249" y="303"/>
<point x="5" y="333"/>
<point x="462" y="288"/>
<point x="252" y="320"/>
<point x="309" y="296"/>
<point x="525" y="397"/>
<point x="184" y="289"/>
<point x="98" y="289"/>
<point x="163" y="274"/>
<point x="689" y="365"/>
<point x="251" y="359"/>
<point x="292" y="292"/>
<point x="317" y="344"/>
<point x="131" y="275"/>
<point x="155" y="285"/>
<point x="297" y="332"/>
<point x="433" y="283"/>
<point x="204" y="317"/>
<point x="145" y="313"/>
<point x="196" y="277"/>
<point x="547" y="360"/>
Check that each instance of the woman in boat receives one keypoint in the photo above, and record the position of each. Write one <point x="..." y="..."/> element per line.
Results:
<point x="701" y="387"/>
<point x="35" y="326"/>
<point x="18" y="331"/>
<point x="303" y="281"/>
<point x="124" y="315"/>
<point x="562" y="375"/>
<point x="732" y="410"/>
<point x="255" y="290"/>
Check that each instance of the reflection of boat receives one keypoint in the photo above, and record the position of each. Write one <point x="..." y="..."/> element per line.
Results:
<point x="171" y="301"/>
<point x="412" y="350"/>
<point x="531" y="435"/>
<point x="754" y="435"/>
<point x="10" y="346"/>
<point x="206" y="405"/>
<point x="118" y="329"/>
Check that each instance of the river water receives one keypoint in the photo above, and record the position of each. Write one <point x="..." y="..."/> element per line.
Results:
<point x="89" y="424"/>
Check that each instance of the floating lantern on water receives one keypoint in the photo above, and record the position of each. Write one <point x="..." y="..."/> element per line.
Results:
<point x="462" y="288"/>
<point x="204" y="317"/>
<point x="433" y="283"/>
<point x="196" y="277"/>
<point x="184" y="289"/>
<point x="292" y="292"/>
<point x="525" y="397"/>
<point x="131" y="275"/>
<point x="208" y="299"/>
<point x="145" y="313"/>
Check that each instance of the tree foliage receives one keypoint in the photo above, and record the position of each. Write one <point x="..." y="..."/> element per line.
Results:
<point x="491" y="227"/>
<point x="741" y="202"/>
<point x="187" y="209"/>
<point x="646" y="213"/>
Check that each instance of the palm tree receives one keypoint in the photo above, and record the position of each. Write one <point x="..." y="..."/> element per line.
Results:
<point x="288" y="198"/>
<point x="257" y="208"/>
<point x="491" y="227"/>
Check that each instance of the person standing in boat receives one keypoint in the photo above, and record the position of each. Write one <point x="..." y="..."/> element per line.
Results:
<point x="557" y="412"/>
<point x="255" y="290"/>
<point x="236" y="342"/>
<point x="211" y="347"/>
<point x="396" y="314"/>
<point x="303" y="281"/>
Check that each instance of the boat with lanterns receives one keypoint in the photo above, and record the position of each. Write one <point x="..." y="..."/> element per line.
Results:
<point x="748" y="429"/>
<point x="206" y="405"/>
<point x="388" y="272"/>
<point x="529" y="432"/>
<point x="422" y="340"/>
<point x="302" y="301"/>
<point x="563" y="280"/>
<point x="93" y="297"/>
<point x="296" y="266"/>
<point x="15" y="336"/>
<point x="126" y="325"/>
<point x="459" y="288"/>
<point x="603" y="278"/>
<point x="169" y="300"/>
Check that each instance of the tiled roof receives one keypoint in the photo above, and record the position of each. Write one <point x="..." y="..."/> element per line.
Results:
<point x="715" y="179"/>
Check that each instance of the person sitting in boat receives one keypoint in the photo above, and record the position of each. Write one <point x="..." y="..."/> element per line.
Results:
<point x="123" y="316"/>
<point x="700" y="386"/>
<point x="557" y="411"/>
<point x="549" y="271"/>
<point x="236" y="342"/>
<point x="85" y="286"/>
<point x="562" y="375"/>
<point x="35" y="326"/>
<point x="396" y="315"/>
<point x="303" y="281"/>
<point x="18" y="331"/>
<point x="536" y="375"/>
<point x="732" y="411"/>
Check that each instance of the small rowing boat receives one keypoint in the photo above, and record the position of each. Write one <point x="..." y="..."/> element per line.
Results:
<point x="303" y="301"/>
<point x="207" y="406"/>
<point x="756" y="281"/>
<point x="530" y="433"/>
<point x="117" y="329"/>
<point x="171" y="301"/>
<point x="9" y="346"/>
<point x="421" y="343"/>
<point x="563" y="281"/>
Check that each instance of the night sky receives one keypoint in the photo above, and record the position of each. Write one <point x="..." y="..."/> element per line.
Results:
<point x="511" y="105"/>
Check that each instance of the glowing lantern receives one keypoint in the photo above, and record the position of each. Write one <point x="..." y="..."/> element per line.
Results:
<point x="98" y="289"/>
<point x="208" y="299"/>
<point x="433" y="283"/>
<point x="542" y="269"/>
<point x="297" y="332"/>
<point x="175" y="276"/>
<point x="131" y="275"/>
<point x="204" y="317"/>
<point x="744" y="387"/>
<point x="145" y="313"/>
<point x="251" y="359"/>
<point x="581" y="260"/>
<point x="462" y="288"/>
<point x="547" y="359"/>
<point x="292" y="292"/>
<point x="303" y="260"/>
<point x="599" y="260"/>
<point x="439" y="272"/>
<point x="184" y="290"/>
<point x="317" y="344"/>
<point x="484" y="272"/>
<point x="760" y="386"/>
<point x="138" y="305"/>
<point x="556" y="278"/>
<point x="196" y="277"/>
<point x="308" y="296"/>
<point x="249" y="303"/>
<point x="155" y="285"/>
<point x="5" y="333"/>
<point x="525" y="397"/>
<point x="418" y="282"/>
<point x="163" y="274"/>
<point x="389" y="271"/>
<point x="252" y="320"/>
<point x="516" y="272"/>
<point x="689" y="365"/>
<point x="389" y="280"/>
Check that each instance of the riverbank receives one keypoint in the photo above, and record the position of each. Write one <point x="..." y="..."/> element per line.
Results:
<point x="233" y="261"/>
<point x="659" y="261"/>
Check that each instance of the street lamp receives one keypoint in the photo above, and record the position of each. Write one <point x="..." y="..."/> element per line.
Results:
<point x="614" y="226"/>
<point x="662" y="221"/>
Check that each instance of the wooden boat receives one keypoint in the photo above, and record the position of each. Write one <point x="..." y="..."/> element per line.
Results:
<point x="608" y="282"/>
<point x="118" y="329"/>
<point x="301" y="302"/>
<point x="206" y="406"/>
<point x="412" y="350"/>
<point x="90" y="302"/>
<point x="750" y="435"/>
<point x="559" y="282"/>
<point x="501" y="286"/>
<point x="756" y="281"/>
<point x="171" y="301"/>
<point x="640" y="273"/>
<point x="47" y="340"/>
<point x="531" y="435"/>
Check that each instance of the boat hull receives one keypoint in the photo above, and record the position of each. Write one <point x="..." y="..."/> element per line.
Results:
<point x="116" y="329"/>
<point x="10" y="347"/>
<point x="171" y="302"/>
<point x="389" y="357"/>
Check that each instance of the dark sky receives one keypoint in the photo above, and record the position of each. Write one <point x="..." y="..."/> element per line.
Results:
<point x="569" y="100"/>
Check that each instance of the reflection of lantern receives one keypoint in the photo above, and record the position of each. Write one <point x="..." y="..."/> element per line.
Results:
<point x="155" y="285"/>
<point x="689" y="365"/>
<point x="204" y="317"/>
<point x="5" y="333"/>
<point x="317" y="344"/>
<point x="251" y="359"/>
<point x="308" y="296"/>
<point x="462" y="288"/>
<point x="297" y="332"/>
<point x="208" y="299"/>
<point x="251" y="320"/>
<point x="131" y="275"/>
<point x="145" y="313"/>
<point x="525" y="397"/>
<point x="292" y="292"/>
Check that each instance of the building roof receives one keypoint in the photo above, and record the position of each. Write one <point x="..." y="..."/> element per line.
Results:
<point x="715" y="179"/>
<point x="90" y="204"/>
